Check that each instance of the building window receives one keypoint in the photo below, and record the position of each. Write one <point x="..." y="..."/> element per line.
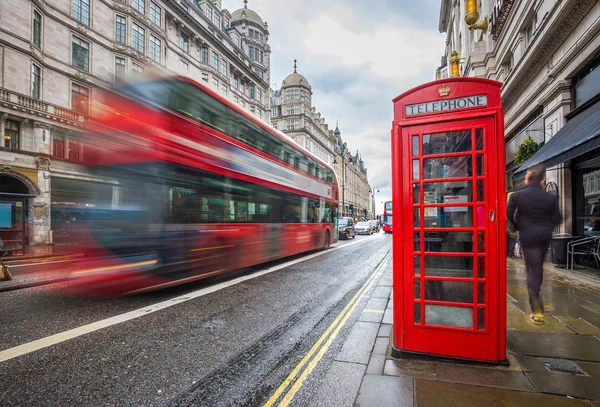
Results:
<point x="225" y="22"/>
<point x="183" y="6"/>
<point x="261" y="57"/>
<point x="215" y="61"/>
<point x="120" y="29"/>
<point x="137" y="70"/>
<point x="81" y="11"/>
<point x="236" y="81"/>
<point x="205" y="55"/>
<point x="258" y="73"/>
<point x="274" y="112"/>
<point x="183" y="64"/>
<point x="217" y="20"/>
<point x="243" y="86"/>
<point x="37" y="29"/>
<point x="259" y="95"/>
<point x="80" y="54"/>
<point x="292" y="124"/>
<point x="236" y="39"/>
<point x="252" y="92"/>
<point x="139" y="5"/>
<point x="208" y="12"/>
<point x="292" y="109"/>
<point x="36" y="80"/>
<point x="155" y="13"/>
<point x="598" y="182"/>
<point x="79" y="98"/>
<point x="292" y="94"/>
<point x="138" y="38"/>
<point x="224" y="67"/>
<point x="119" y="68"/>
<point x="236" y="99"/>
<point x="530" y="31"/>
<point x="251" y="52"/>
<point x="155" y="49"/>
<point x="184" y="42"/>
<point x="224" y="89"/>
<point x="275" y="125"/>
<point x="216" y="83"/>
<point x="11" y="134"/>
<point x="205" y="77"/>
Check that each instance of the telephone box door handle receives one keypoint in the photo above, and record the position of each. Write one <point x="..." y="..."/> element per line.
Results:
<point x="492" y="215"/>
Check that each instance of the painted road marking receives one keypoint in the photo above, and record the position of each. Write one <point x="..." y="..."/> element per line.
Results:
<point x="51" y="340"/>
<point x="314" y="355"/>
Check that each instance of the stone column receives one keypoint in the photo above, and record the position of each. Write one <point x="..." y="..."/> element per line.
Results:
<point x="41" y="137"/>
<point x="39" y="207"/>
<point x="3" y="118"/>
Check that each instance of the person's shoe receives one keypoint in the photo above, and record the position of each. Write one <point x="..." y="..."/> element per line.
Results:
<point x="538" y="320"/>
<point x="548" y="309"/>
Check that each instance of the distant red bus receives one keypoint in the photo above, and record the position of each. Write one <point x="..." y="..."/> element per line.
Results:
<point x="387" y="217"/>
<point x="199" y="188"/>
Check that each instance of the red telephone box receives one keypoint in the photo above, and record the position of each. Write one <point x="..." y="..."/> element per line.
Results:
<point x="449" y="245"/>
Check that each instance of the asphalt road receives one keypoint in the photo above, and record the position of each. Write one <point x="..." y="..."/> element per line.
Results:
<point x="230" y="347"/>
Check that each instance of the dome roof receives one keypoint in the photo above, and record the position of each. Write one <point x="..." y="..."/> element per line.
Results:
<point x="295" y="79"/>
<point x="251" y="15"/>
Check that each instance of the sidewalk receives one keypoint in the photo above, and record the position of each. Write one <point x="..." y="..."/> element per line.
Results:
<point x="555" y="364"/>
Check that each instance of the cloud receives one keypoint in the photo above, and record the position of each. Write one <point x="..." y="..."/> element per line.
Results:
<point x="357" y="55"/>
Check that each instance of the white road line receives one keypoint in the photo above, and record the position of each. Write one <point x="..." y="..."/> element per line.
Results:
<point x="33" y="346"/>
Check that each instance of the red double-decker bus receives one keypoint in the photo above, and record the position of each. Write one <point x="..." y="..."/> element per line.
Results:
<point x="387" y="217"/>
<point x="199" y="187"/>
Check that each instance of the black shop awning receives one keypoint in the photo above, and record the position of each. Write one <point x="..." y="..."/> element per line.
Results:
<point x="580" y="135"/>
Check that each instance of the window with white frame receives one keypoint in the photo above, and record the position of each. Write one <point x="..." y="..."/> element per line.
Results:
<point x="225" y="22"/>
<point x="139" y="5"/>
<point x="274" y="112"/>
<point x="80" y="98"/>
<point x="208" y="11"/>
<point x="81" y="11"/>
<point x="184" y="42"/>
<point x="37" y="29"/>
<point x="137" y="70"/>
<point x="138" y="38"/>
<point x="205" y="77"/>
<point x="80" y="54"/>
<point x="236" y="81"/>
<point x="217" y="20"/>
<point x="215" y="60"/>
<point x="258" y="73"/>
<point x="119" y="68"/>
<point x="236" y="39"/>
<point x="155" y="13"/>
<point x="274" y="124"/>
<point x="530" y="31"/>
<point x="155" y="49"/>
<point x="292" y="109"/>
<point x="224" y="67"/>
<point x="293" y="124"/>
<point x="183" y="64"/>
<point x="12" y="131"/>
<point x="205" y="55"/>
<point x="36" y="81"/>
<point x="120" y="29"/>
<point x="259" y="95"/>
<point x="224" y="89"/>
<point x="292" y="94"/>
<point x="252" y="91"/>
<point x="215" y="83"/>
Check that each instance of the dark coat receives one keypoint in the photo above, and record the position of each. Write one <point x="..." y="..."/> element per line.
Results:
<point x="537" y="213"/>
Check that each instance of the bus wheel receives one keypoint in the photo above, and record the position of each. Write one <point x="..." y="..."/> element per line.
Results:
<point x="327" y="240"/>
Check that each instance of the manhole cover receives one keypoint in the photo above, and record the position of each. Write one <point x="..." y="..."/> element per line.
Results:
<point x="561" y="365"/>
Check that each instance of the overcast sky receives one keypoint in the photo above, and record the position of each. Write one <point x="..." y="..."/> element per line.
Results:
<point x="357" y="55"/>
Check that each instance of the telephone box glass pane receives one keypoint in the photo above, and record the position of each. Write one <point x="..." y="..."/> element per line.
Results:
<point x="447" y="167"/>
<point x="479" y="139"/>
<point x="481" y="318"/>
<point x="417" y="289"/>
<point x="448" y="291"/>
<point x="417" y="216"/>
<point x="444" y="315"/>
<point x="435" y="192"/>
<point x="480" y="190"/>
<point x="417" y="265"/>
<point x="415" y="145"/>
<point x="481" y="242"/>
<point x="416" y="170"/>
<point x="417" y="313"/>
<point x="449" y="266"/>
<point x="447" y="142"/>
<point x="481" y="293"/>
<point x="480" y="165"/>
<point x="449" y="242"/>
<point x="416" y="193"/>
<point x="417" y="242"/>
<point x="481" y="267"/>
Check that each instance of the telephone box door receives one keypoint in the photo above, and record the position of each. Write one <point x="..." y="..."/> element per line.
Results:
<point x="451" y="270"/>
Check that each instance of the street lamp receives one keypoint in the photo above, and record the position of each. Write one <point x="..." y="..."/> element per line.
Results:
<point x="374" y="208"/>
<point x="343" y="186"/>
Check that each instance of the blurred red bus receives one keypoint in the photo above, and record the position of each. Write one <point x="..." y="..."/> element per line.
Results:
<point x="387" y="217"/>
<point x="200" y="187"/>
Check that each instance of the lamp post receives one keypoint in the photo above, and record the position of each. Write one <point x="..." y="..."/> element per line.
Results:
<point x="343" y="185"/>
<point x="374" y="208"/>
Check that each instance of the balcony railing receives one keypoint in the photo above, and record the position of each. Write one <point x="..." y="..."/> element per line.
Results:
<point x="44" y="109"/>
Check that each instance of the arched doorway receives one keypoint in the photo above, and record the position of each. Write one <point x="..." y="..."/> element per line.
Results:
<point x="15" y="192"/>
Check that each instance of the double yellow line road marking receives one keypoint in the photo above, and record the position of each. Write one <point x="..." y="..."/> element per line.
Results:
<point x="295" y="380"/>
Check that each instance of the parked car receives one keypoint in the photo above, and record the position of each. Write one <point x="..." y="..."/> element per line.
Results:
<point x="346" y="228"/>
<point x="364" y="228"/>
<point x="375" y="225"/>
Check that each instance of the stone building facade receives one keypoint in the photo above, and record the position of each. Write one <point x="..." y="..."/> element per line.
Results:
<point x="54" y="53"/>
<point x="547" y="54"/>
<point x="292" y="113"/>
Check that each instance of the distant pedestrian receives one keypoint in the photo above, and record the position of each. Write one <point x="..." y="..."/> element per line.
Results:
<point x="537" y="214"/>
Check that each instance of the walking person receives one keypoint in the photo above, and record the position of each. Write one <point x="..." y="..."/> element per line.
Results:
<point x="537" y="214"/>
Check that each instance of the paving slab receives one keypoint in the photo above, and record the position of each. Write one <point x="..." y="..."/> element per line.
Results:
<point x="385" y="330"/>
<point x="579" y="325"/>
<point x="382" y="292"/>
<point x="376" y="364"/>
<point x="340" y="385"/>
<point x="430" y="393"/>
<point x="381" y="345"/>
<point x="483" y="377"/>
<point x="376" y="304"/>
<point x="520" y="321"/>
<point x="591" y="368"/>
<point x="530" y="363"/>
<point x="358" y="345"/>
<point x="388" y="316"/>
<point x="410" y="368"/>
<point x="385" y="391"/>
<point x="554" y="345"/>
<point x="566" y="384"/>
<point x="369" y="315"/>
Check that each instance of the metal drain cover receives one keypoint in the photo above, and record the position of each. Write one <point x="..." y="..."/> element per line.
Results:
<point x="561" y="365"/>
